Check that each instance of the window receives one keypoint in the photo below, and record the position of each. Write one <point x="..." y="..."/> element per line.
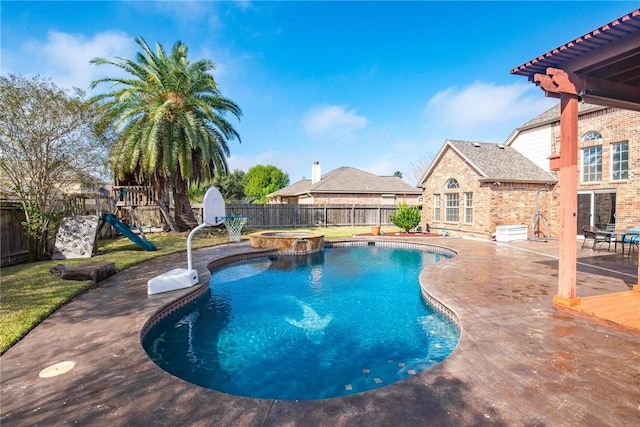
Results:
<point x="592" y="164"/>
<point x="591" y="136"/>
<point x="452" y="183"/>
<point x="619" y="161"/>
<point x="452" y="208"/>
<point x="468" y="208"/>
<point x="436" y="207"/>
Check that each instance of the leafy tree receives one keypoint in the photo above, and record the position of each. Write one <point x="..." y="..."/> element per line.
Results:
<point x="46" y="146"/>
<point x="230" y="185"/>
<point x="398" y="174"/>
<point x="261" y="180"/>
<point x="169" y="121"/>
<point x="406" y="217"/>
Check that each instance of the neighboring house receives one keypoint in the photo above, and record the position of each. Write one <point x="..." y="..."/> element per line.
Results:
<point x="72" y="182"/>
<point x="347" y="186"/>
<point x="85" y="184"/>
<point x="470" y="188"/>
<point x="608" y="161"/>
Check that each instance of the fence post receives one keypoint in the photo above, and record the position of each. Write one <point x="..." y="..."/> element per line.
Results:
<point x="325" y="216"/>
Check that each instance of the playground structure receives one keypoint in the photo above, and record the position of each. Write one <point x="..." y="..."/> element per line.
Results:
<point x="127" y="232"/>
<point x="77" y="236"/>
<point x="213" y="215"/>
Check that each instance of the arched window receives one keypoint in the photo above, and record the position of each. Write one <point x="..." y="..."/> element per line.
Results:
<point x="591" y="136"/>
<point x="452" y="183"/>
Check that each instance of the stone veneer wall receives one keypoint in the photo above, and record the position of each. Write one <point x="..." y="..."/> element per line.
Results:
<point x="615" y="125"/>
<point x="493" y="205"/>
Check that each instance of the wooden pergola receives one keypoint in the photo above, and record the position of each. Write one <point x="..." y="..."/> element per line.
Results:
<point x="601" y="67"/>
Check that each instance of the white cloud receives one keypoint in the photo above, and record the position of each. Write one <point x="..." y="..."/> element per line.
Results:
<point x="479" y="107"/>
<point x="65" y="57"/>
<point x="332" y="121"/>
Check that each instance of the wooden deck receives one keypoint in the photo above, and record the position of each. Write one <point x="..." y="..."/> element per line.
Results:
<point x="620" y="310"/>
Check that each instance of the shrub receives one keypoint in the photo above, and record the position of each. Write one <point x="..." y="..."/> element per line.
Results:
<point x="406" y="217"/>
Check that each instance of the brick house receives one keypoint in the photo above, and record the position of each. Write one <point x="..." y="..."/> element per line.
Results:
<point x="470" y="188"/>
<point x="608" y="161"/>
<point x="347" y="186"/>
<point x="608" y="169"/>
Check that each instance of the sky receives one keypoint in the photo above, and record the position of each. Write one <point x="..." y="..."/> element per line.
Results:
<point x="378" y="86"/>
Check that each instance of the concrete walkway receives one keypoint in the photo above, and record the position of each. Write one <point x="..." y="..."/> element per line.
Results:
<point x="518" y="363"/>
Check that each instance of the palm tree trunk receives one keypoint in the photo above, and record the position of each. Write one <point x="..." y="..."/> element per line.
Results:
<point x="160" y="188"/>
<point x="184" y="216"/>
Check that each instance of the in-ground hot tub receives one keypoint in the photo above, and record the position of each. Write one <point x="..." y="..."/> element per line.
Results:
<point x="288" y="242"/>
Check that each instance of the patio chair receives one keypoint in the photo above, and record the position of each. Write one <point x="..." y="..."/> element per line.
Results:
<point x="631" y="240"/>
<point x="611" y="227"/>
<point x="592" y="233"/>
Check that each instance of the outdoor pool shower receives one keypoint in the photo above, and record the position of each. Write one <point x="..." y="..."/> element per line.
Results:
<point x="538" y="221"/>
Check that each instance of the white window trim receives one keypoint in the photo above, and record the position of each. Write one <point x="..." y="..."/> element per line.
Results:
<point x="582" y="168"/>
<point x="466" y="219"/>
<point x="611" y="162"/>
<point x="447" y="208"/>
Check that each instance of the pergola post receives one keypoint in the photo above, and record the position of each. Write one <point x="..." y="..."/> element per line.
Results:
<point x="568" y="176"/>
<point x="599" y="67"/>
<point x="557" y="84"/>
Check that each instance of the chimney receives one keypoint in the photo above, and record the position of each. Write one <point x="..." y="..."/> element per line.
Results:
<point x="315" y="172"/>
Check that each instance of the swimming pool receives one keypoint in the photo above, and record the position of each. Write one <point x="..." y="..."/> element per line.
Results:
<point x="329" y="324"/>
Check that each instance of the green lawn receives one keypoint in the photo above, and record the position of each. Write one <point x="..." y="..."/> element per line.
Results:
<point x="29" y="292"/>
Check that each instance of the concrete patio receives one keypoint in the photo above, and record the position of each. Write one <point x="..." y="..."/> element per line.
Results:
<point x="519" y="362"/>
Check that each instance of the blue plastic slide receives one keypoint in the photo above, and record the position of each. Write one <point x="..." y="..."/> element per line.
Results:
<point x="125" y="230"/>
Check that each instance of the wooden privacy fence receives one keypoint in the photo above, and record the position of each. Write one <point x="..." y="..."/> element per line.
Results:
<point x="280" y="216"/>
<point x="14" y="247"/>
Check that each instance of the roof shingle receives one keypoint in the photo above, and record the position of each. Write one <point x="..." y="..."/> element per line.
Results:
<point x="553" y="115"/>
<point x="350" y="180"/>
<point x="497" y="162"/>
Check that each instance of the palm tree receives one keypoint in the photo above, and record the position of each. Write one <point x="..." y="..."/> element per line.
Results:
<point x="169" y="118"/>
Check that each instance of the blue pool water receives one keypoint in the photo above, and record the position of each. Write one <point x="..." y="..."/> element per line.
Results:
<point x="338" y="322"/>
